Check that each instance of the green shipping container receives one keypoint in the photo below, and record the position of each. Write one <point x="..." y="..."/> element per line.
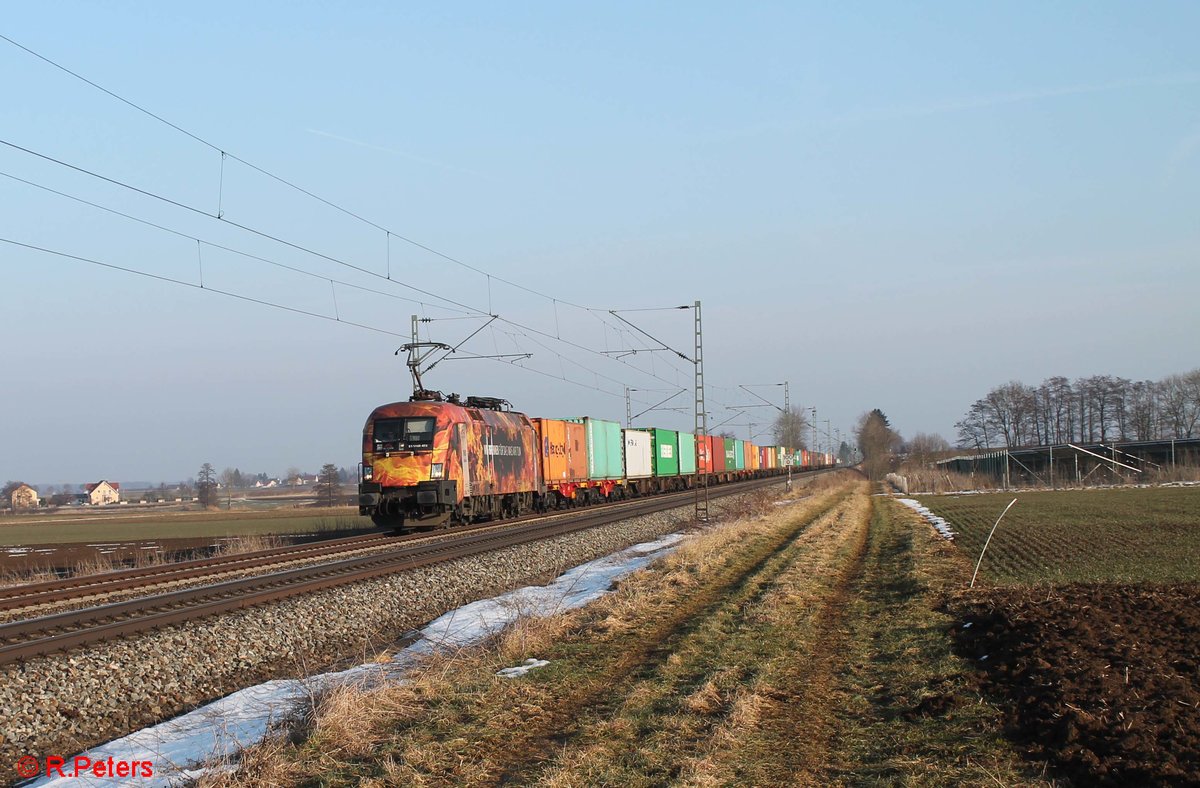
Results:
<point x="732" y="452"/>
<point x="665" y="456"/>
<point x="739" y="456"/>
<point x="604" y="448"/>
<point x="687" y="453"/>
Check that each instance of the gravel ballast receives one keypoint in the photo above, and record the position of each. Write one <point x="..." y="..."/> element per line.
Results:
<point x="63" y="703"/>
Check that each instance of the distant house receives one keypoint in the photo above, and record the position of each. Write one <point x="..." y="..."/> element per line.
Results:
<point x="25" y="497"/>
<point x="103" y="492"/>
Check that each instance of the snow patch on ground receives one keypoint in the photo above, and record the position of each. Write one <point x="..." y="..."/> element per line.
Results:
<point x="180" y="747"/>
<point x="522" y="669"/>
<point x="939" y="523"/>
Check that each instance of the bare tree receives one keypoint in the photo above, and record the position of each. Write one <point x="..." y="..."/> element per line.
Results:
<point x="790" y="427"/>
<point x="974" y="430"/>
<point x="230" y="478"/>
<point x="924" y="448"/>
<point x="1181" y="403"/>
<point x="1096" y="408"/>
<point x="1061" y="405"/>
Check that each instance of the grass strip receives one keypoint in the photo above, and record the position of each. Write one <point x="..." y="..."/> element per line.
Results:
<point x="456" y="722"/>
<point x="668" y="723"/>
<point x="908" y="711"/>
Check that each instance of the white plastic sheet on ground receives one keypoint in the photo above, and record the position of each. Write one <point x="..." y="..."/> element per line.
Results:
<point x="939" y="523"/>
<point x="181" y="746"/>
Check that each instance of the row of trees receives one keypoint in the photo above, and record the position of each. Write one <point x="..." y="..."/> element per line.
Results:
<point x="1098" y="408"/>
<point x="327" y="489"/>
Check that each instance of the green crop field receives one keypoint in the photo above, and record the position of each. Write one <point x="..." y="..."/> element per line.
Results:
<point x="1118" y="535"/>
<point x="119" y="527"/>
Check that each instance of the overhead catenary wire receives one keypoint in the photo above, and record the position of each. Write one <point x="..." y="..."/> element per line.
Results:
<point x="224" y="248"/>
<point x="219" y="216"/>
<point x="336" y="318"/>
<point x="224" y="153"/>
<point x="196" y="286"/>
<point x="246" y="228"/>
<point x="299" y="247"/>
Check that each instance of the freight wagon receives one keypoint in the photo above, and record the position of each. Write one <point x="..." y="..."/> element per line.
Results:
<point x="430" y="463"/>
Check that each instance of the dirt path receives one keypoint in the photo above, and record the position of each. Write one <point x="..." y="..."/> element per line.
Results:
<point x="727" y="673"/>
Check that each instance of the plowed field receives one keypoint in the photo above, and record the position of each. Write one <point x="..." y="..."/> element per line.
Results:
<point x="1103" y="681"/>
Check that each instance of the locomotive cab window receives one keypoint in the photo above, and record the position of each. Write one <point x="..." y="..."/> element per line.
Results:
<point x="404" y="434"/>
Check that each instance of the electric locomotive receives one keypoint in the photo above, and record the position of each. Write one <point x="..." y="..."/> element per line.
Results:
<point x="432" y="462"/>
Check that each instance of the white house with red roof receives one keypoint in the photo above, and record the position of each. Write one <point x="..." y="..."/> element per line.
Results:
<point x="103" y="492"/>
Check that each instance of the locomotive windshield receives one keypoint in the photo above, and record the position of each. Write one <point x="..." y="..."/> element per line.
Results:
<point x="404" y="434"/>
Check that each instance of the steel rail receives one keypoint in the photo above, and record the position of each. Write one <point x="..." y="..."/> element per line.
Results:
<point x="64" y="590"/>
<point x="38" y="636"/>
<point x="122" y="579"/>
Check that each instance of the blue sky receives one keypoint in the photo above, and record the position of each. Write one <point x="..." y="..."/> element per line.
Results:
<point x="888" y="206"/>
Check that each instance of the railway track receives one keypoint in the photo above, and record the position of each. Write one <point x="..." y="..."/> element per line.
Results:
<point x="79" y="591"/>
<point x="37" y="594"/>
<point x="21" y="640"/>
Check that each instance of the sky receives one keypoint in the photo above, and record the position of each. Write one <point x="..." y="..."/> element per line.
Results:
<point x="884" y="205"/>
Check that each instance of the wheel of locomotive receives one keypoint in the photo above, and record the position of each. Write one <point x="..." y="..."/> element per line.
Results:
<point x="392" y="523"/>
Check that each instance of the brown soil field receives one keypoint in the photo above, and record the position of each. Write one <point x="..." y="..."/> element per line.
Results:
<point x="1101" y="680"/>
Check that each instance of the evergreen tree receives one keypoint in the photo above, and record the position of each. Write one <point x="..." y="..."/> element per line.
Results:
<point x="206" y="485"/>
<point x="328" y="487"/>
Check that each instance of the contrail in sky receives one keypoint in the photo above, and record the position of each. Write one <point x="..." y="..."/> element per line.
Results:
<point x="966" y="103"/>
<point x="1016" y="97"/>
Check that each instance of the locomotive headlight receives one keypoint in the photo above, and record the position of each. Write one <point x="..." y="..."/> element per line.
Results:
<point x="367" y="473"/>
<point x="435" y="470"/>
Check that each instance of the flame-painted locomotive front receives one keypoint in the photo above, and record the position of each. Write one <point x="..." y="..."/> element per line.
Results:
<point x="404" y="471"/>
<point x="427" y="463"/>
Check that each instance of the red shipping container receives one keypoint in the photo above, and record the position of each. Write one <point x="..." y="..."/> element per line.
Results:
<point x="718" y="454"/>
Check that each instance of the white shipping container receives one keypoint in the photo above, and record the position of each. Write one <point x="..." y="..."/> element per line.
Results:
<point x="637" y="454"/>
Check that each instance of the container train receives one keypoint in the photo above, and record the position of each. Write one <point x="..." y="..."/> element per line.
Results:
<point x="430" y="463"/>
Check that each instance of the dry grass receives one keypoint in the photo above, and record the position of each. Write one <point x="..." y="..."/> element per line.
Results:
<point x="249" y="543"/>
<point x="801" y="614"/>
<point x="455" y="722"/>
<point x="762" y="651"/>
<point x="924" y="479"/>
<point x="908" y="710"/>
<point x="101" y="563"/>
<point x="934" y="481"/>
<point x="22" y="577"/>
